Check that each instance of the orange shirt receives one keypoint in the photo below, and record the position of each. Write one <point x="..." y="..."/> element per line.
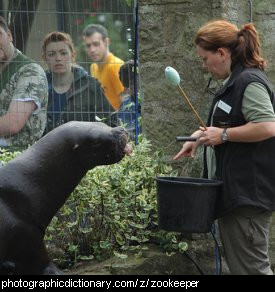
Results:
<point x="108" y="76"/>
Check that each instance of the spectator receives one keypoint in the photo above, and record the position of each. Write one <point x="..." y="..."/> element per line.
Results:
<point x="73" y="94"/>
<point x="23" y="95"/>
<point x="106" y="66"/>
<point x="127" y="110"/>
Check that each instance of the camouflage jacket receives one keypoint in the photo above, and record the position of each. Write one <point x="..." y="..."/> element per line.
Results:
<point x="24" y="80"/>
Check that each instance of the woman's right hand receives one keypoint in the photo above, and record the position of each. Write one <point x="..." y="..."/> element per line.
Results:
<point x="189" y="148"/>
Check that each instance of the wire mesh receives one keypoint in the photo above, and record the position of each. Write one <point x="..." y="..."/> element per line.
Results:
<point x="31" y="20"/>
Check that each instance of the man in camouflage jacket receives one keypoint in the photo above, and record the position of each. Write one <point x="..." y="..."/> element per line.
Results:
<point x="23" y="95"/>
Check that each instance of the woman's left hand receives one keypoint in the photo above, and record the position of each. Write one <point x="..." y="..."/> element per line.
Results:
<point x="212" y="136"/>
<point x="247" y="133"/>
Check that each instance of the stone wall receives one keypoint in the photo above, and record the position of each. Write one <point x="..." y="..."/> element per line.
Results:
<point x="166" y="38"/>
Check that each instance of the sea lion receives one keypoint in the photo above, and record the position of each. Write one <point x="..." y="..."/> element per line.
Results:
<point x="35" y="184"/>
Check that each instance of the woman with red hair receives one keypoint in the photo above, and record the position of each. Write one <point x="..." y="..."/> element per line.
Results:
<point x="240" y="133"/>
<point x="73" y="94"/>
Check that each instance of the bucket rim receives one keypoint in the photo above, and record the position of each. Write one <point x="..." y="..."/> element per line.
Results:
<point x="201" y="181"/>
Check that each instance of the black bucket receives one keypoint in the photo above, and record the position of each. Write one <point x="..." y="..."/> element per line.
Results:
<point x="186" y="204"/>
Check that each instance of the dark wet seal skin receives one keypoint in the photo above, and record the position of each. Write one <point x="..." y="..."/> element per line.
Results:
<point x="34" y="186"/>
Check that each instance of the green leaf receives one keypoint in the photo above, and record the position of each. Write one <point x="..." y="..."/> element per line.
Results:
<point x="119" y="239"/>
<point x="71" y="224"/>
<point x="137" y="225"/>
<point x="85" y="230"/>
<point x="183" y="246"/>
<point x="73" y="248"/>
<point x="169" y="254"/>
<point x="134" y="238"/>
<point x="120" y="255"/>
<point x="98" y="119"/>
<point x="86" y="258"/>
<point x="104" y="244"/>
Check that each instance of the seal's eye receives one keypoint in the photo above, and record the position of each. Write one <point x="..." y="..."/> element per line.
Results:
<point x="75" y="146"/>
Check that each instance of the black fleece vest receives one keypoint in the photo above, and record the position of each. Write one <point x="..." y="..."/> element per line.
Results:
<point x="246" y="169"/>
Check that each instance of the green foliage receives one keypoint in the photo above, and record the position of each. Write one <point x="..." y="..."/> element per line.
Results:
<point x="6" y="156"/>
<point x="114" y="210"/>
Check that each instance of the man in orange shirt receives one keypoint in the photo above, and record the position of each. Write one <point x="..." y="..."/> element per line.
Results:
<point x="106" y="66"/>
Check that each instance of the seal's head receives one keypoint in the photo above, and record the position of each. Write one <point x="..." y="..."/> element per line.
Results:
<point x="103" y="145"/>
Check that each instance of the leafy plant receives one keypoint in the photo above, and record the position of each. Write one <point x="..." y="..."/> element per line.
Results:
<point x="6" y="155"/>
<point x="114" y="210"/>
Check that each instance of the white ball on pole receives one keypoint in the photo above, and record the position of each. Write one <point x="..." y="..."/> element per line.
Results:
<point x="172" y="76"/>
